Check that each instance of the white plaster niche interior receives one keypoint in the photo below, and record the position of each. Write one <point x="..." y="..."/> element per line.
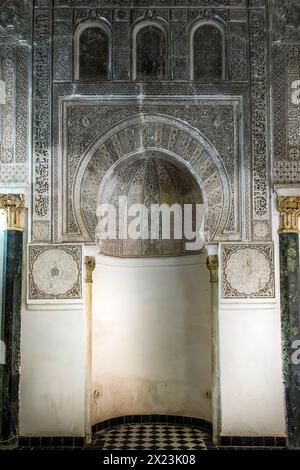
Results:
<point x="151" y="303"/>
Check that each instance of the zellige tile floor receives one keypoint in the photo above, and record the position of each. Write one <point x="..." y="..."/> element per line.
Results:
<point x="152" y="437"/>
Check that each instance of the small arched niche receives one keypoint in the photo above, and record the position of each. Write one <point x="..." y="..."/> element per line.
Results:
<point x="165" y="197"/>
<point x="92" y="52"/>
<point x="149" y="52"/>
<point x="207" y="52"/>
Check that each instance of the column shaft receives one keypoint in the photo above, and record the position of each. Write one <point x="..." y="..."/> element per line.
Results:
<point x="12" y="326"/>
<point x="290" y="318"/>
<point x="89" y="267"/>
<point x="213" y="265"/>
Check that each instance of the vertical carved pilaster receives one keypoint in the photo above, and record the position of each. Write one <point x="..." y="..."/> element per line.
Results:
<point x="121" y="50"/>
<point x="179" y="45"/>
<point x="41" y="123"/>
<point x="259" y="98"/>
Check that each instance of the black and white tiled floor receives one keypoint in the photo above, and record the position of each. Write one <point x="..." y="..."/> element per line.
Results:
<point x="152" y="437"/>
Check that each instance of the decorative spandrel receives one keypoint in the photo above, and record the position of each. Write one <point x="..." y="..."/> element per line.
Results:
<point x="151" y="52"/>
<point x="208" y="53"/>
<point x="93" y="55"/>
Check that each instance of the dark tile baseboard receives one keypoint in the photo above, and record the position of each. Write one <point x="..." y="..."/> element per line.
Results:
<point x="27" y="441"/>
<point x="254" y="441"/>
<point x="162" y="419"/>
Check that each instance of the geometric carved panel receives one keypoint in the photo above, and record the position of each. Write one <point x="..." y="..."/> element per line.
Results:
<point x="55" y="272"/>
<point x="248" y="271"/>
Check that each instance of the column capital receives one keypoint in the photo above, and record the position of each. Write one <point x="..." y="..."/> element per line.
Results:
<point x="213" y="266"/>
<point x="13" y="205"/>
<point x="289" y="209"/>
<point x="90" y="264"/>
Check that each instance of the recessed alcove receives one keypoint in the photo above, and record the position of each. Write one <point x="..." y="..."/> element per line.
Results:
<point x="151" y="330"/>
<point x="151" y="337"/>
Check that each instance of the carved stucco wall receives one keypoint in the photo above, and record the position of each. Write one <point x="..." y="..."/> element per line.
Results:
<point x="238" y="25"/>
<point x="285" y="64"/>
<point x="56" y="152"/>
<point x="234" y="116"/>
<point x="15" y="66"/>
<point x="247" y="58"/>
<point x="284" y="58"/>
<point x="221" y="130"/>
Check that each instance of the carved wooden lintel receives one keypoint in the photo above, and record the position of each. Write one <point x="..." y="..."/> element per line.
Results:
<point x="213" y="266"/>
<point x="90" y="265"/>
<point x="13" y="205"/>
<point x="289" y="209"/>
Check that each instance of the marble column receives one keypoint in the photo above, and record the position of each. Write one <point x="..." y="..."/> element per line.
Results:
<point x="213" y="266"/>
<point x="289" y="209"/>
<point x="11" y="314"/>
<point x="90" y="265"/>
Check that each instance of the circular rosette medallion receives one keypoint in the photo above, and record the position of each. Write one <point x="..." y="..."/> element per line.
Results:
<point x="248" y="271"/>
<point x="55" y="272"/>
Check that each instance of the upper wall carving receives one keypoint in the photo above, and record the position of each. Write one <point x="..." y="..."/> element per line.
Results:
<point x="15" y="72"/>
<point x="145" y="3"/>
<point x="15" y="24"/>
<point x="171" y="40"/>
<point x="286" y="20"/>
<point x="245" y="71"/>
<point x="285" y="17"/>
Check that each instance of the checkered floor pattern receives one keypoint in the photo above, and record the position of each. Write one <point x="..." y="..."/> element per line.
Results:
<point x="153" y="437"/>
